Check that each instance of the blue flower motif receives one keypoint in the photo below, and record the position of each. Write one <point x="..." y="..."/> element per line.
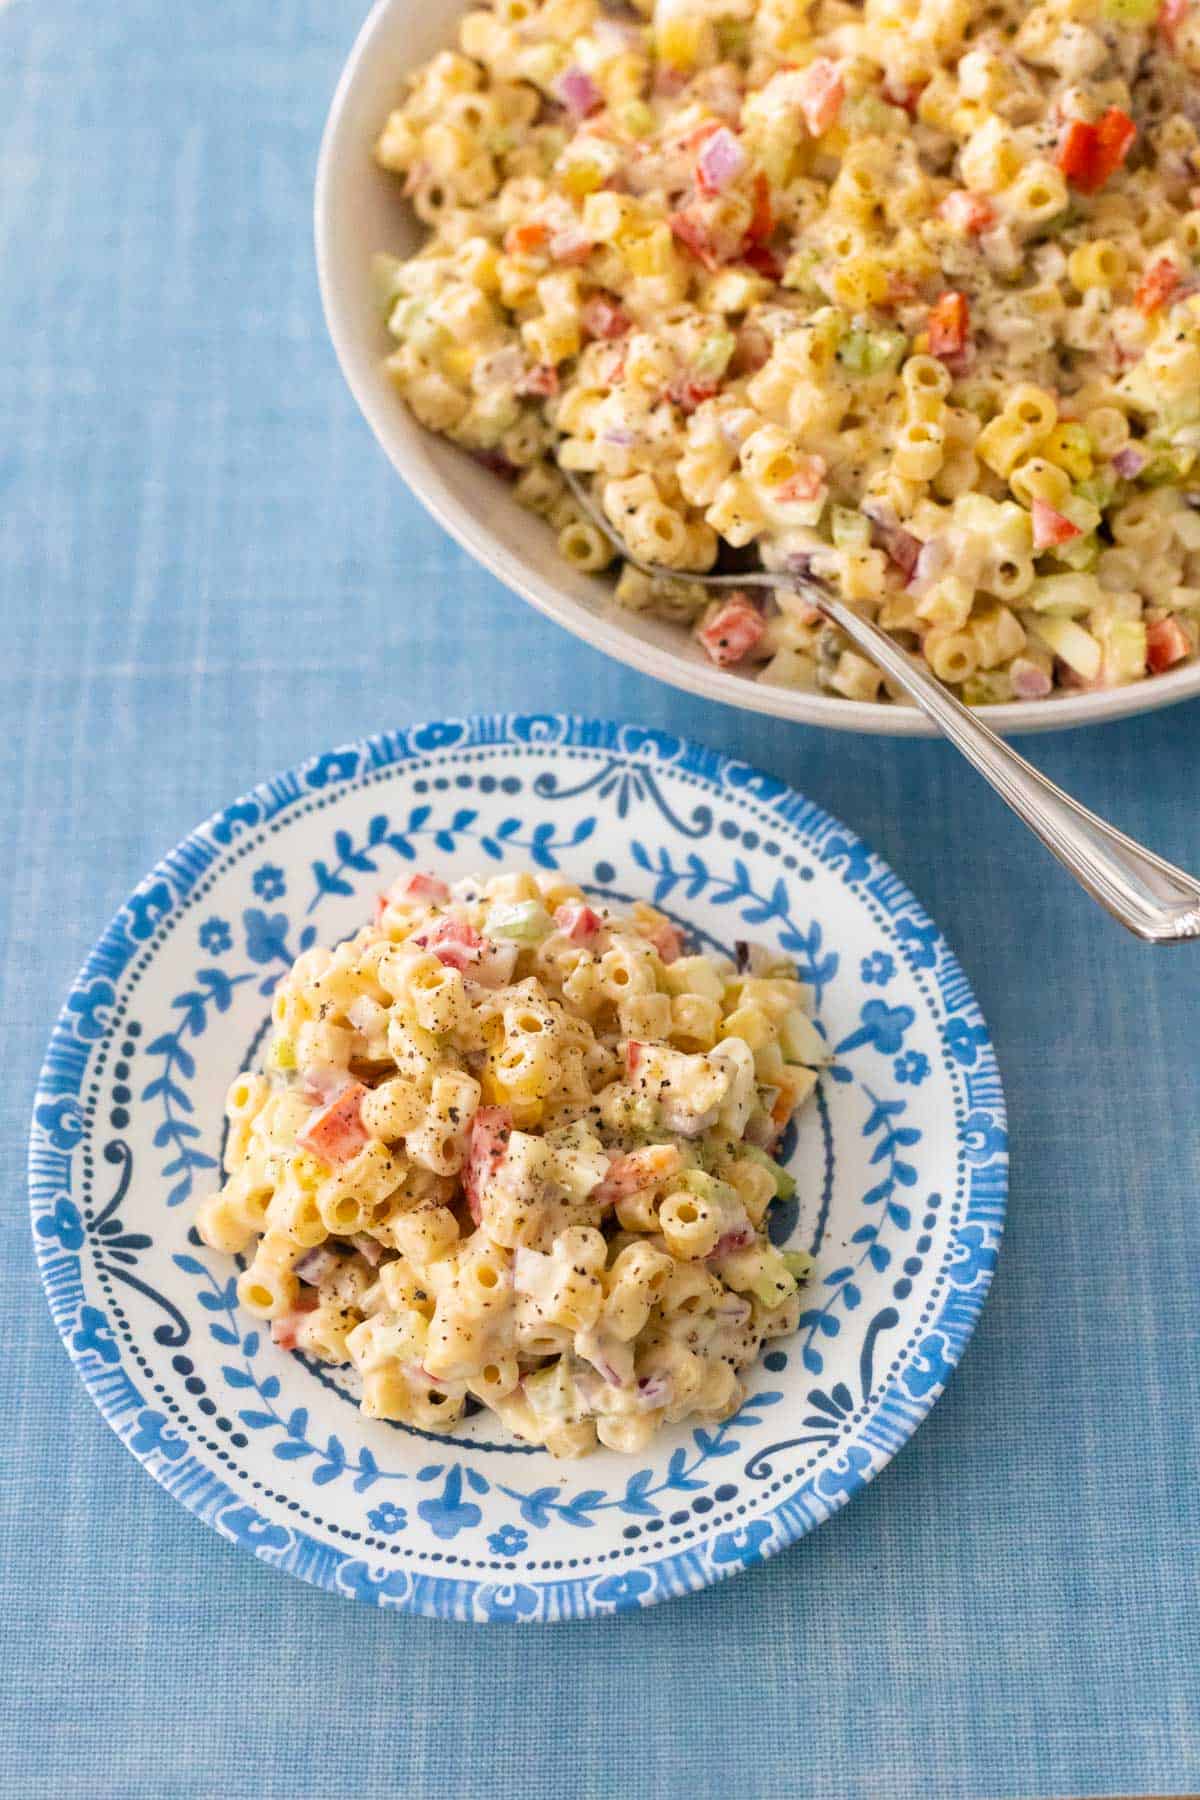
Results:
<point x="335" y="765"/>
<point x="983" y="1138"/>
<point x="621" y="1591"/>
<point x="928" y="1368"/>
<point x="858" y="863"/>
<point x="145" y="910"/>
<point x="380" y="1587"/>
<point x="92" y="1004"/>
<point x="64" y="1223"/>
<point x="388" y="1518"/>
<point x="242" y="813"/>
<point x="269" y="883"/>
<point x="215" y="937"/>
<point x="94" y="1335"/>
<point x="964" y="1041"/>
<point x="974" y="1257"/>
<point x="247" y="1527"/>
<point x="878" y="968"/>
<point x="62" y="1121"/>
<point x="918" y="943"/>
<point x="512" y="1601"/>
<point x="510" y="1540"/>
<point x="882" y="1025"/>
<point x="152" y="1434"/>
<point x="742" y="1547"/>
<point x="266" y="936"/>
<point x="846" y="1476"/>
<point x="912" y="1068"/>
<point x="449" y="1513"/>
<point x="532" y="728"/>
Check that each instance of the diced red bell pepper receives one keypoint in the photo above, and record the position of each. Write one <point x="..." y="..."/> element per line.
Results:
<point x="455" y="943"/>
<point x="1156" y="286"/>
<point x="903" y="94"/>
<point x="762" y="219"/>
<point x="967" y="212"/>
<point x="1166" y="644"/>
<point x="732" y="633"/>
<point x="763" y="260"/>
<point x="806" y="483"/>
<point x="687" y="394"/>
<point x="603" y="317"/>
<point x="694" y="235"/>
<point x="540" y="382"/>
<point x="1089" y="154"/>
<point x="426" y="888"/>
<point x="380" y="907"/>
<point x="490" y="1131"/>
<point x="821" y="99"/>
<point x="638" y="1169"/>
<point x="336" y="1134"/>
<point x="948" y="325"/>
<point x="578" y="921"/>
<point x="526" y="239"/>
<point x="633" y="1055"/>
<point x="1050" y="527"/>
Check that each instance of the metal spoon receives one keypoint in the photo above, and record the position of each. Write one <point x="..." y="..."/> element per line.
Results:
<point x="1150" y="897"/>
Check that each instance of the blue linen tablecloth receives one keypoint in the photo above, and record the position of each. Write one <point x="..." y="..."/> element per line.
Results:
<point x="207" y="571"/>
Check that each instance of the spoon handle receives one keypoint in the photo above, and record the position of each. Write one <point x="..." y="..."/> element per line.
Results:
<point x="1150" y="897"/>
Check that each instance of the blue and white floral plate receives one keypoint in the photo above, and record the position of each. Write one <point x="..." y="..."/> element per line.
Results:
<point x="901" y="1168"/>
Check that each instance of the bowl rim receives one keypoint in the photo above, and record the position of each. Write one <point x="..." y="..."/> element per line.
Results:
<point x="358" y="365"/>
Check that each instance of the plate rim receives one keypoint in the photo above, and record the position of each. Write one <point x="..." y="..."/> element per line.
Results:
<point x="192" y="858"/>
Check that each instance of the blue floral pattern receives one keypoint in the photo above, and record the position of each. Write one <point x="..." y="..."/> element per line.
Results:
<point x="475" y="1532"/>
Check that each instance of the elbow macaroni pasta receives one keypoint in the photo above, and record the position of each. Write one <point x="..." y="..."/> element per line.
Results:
<point x="505" y="1150"/>
<point x="847" y="285"/>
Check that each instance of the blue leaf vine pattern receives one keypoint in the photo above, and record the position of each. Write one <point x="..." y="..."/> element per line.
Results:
<point x="842" y="1290"/>
<point x="817" y="967"/>
<point x="451" y="1510"/>
<point x="266" y="942"/>
<point x="543" y="843"/>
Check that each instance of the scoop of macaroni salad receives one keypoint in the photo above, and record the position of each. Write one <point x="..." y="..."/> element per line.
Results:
<point x="903" y="294"/>
<point x="510" y="1148"/>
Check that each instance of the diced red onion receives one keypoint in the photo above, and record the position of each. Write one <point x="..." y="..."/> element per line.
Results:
<point x="578" y="92"/>
<point x="653" y="1391"/>
<point x="732" y="1309"/>
<point x="368" y="1247"/>
<point x="932" y="560"/>
<point x="1129" y="463"/>
<point x="1030" y="682"/>
<point x="898" y="545"/>
<point x="317" y="1264"/>
<point x="721" y="161"/>
<point x="620" y="436"/>
<point x="761" y="1130"/>
<point x="740" y="1238"/>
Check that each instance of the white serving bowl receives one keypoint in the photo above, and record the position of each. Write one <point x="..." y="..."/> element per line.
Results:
<point x="359" y="210"/>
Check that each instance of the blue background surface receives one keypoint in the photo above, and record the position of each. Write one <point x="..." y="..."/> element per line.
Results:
<point x="208" y="571"/>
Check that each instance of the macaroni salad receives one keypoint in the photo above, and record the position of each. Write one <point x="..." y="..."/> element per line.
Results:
<point x="512" y="1149"/>
<point x="902" y="293"/>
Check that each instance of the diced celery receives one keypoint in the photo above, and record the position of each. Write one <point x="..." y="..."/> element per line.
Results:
<point x="521" y="921"/>
<point x="799" y="1264"/>
<point x="800" y="1039"/>
<point x="851" y="530"/>
<point x="636" y="118"/>
<point x="1098" y="491"/>
<point x="551" y="1391"/>
<point x="406" y="316"/>
<point x="773" y="1283"/>
<point x="387" y="282"/>
<point x="1130" y="13"/>
<point x="1081" y="554"/>
<point x="692" y="975"/>
<point x="1125" y="650"/>
<point x="1077" y="647"/>
<point x="708" y="1187"/>
<point x="712" y="358"/>
<point x="988" y="687"/>
<point x="283" y="1054"/>
<point x="871" y="352"/>
<point x="785" y="1186"/>
<point x="1067" y="595"/>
